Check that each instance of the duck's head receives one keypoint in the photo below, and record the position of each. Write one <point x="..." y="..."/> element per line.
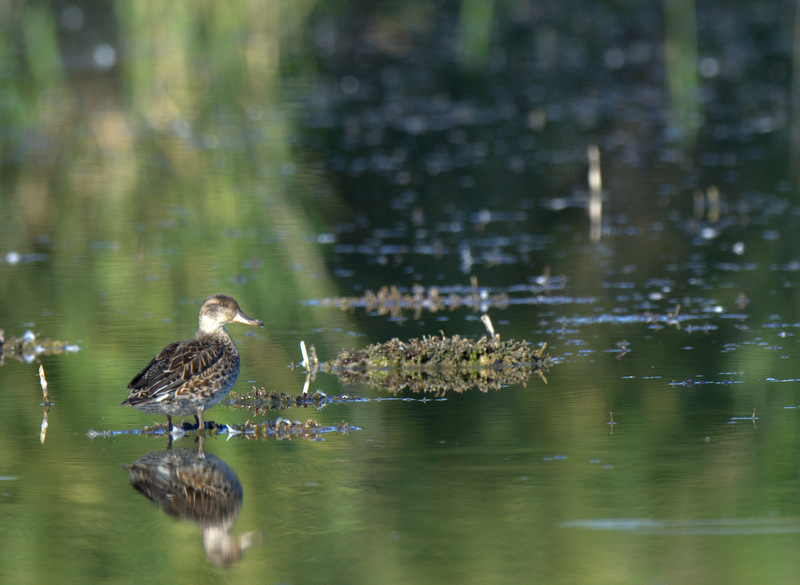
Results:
<point x="219" y="310"/>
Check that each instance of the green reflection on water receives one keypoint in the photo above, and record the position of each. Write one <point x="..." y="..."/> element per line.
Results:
<point x="145" y="189"/>
<point x="172" y="177"/>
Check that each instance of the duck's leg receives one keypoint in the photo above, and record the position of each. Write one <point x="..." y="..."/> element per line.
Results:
<point x="169" y="432"/>
<point x="201" y="425"/>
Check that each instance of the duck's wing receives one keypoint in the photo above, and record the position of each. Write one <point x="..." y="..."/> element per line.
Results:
<point x="171" y="369"/>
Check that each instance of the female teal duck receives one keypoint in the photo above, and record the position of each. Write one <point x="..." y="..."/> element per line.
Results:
<point x="188" y="377"/>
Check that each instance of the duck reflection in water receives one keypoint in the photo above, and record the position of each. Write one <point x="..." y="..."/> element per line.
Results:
<point x="200" y="487"/>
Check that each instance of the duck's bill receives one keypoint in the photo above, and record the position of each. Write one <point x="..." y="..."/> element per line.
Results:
<point x="242" y="318"/>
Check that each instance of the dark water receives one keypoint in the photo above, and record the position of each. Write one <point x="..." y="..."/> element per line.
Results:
<point x="294" y="156"/>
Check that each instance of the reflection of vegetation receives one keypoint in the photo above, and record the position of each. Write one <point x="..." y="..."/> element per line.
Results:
<point x="170" y="174"/>
<point x="440" y="364"/>
<point x="474" y="33"/>
<point x="680" y="52"/>
<point x="27" y="347"/>
<point x="117" y="173"/>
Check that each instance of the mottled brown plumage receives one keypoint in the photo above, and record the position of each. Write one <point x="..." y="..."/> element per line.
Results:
<point x="188" y="377"/>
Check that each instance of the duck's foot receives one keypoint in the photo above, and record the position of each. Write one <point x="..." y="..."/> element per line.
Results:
<point x="200" y="424"/>
<point x="174" y="433"/>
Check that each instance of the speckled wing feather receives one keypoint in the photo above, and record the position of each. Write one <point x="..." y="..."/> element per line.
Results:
<point x="170" y="369"/>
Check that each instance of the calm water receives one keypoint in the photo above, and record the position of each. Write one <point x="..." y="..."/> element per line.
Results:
<point x="153" y="155"/>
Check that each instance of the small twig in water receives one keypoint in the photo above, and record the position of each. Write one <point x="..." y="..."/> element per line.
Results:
<point x="672" y="317"/>
<point x="43" y="382"/>
<point x="712" y="196"/>
<point x="305" y="362"/>
<point x="595" y="193"/>
<point x="487" y="321"/>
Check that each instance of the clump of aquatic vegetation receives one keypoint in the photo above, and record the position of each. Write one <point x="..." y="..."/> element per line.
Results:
<point x="435" y="364"/>
<point x="431" y="364"/>
<point x="30" y="345"/>
<point x="392" y="301"/>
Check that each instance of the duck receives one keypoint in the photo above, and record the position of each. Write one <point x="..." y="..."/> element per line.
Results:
<point x="189" y="377"/>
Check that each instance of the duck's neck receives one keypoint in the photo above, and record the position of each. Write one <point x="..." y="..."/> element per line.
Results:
<point x="216" y="333"/>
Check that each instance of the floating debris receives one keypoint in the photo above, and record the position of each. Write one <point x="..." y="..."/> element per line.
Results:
<point x="260" y="401"/>
<point x="690" y="382"/>
<point x="279" y="429"/>
<point x="30" y="346"/>
<point x="735" y="419"/>
<point x="285" y="429"/>
<point x="392" y="301"/>
<point x="440" y="364"/>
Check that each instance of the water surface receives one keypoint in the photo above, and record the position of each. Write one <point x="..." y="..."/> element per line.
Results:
<point x="296" y="161"/>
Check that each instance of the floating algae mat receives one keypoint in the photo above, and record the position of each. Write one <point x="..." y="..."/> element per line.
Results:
<point x="438" y="364"/>
<point x="390" y="300"/>
<point x="260" y="401"/>
<point x="29" y="346"/>
<point x="278" y="429"/>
